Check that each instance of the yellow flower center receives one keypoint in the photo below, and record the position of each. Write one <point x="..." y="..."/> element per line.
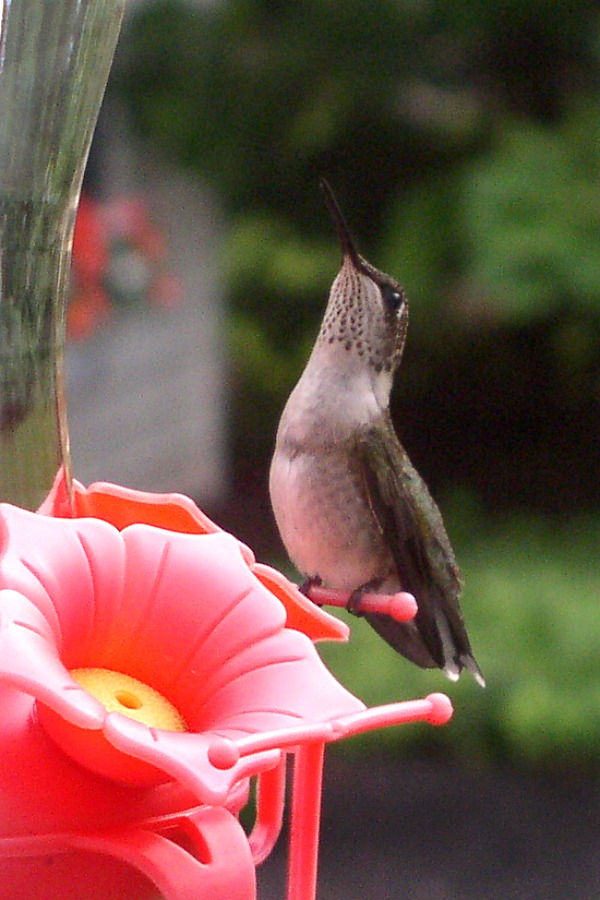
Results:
<point x="118" y="692"/>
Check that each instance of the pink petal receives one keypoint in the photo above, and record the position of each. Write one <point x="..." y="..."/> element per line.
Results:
<point x="187" y="603"/>
<point x="70" y="569"/>
<point x="277" y="682"/>
<point x="195" y="619"/>
<point x="29" y="661"/>
<point x="123" y="506"/>
<point x="302" y="613"/>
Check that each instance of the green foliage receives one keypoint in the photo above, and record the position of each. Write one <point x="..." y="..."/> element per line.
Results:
<point x="532" y="212"/>
<point x="422" y="246"/>
<point x="266" y="262"/>
<point x="261" y="89"/>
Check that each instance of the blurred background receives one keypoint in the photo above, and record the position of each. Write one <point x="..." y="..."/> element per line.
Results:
<point x="463" y="141"/>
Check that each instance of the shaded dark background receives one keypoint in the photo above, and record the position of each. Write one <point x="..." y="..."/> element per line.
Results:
<point x="463" y="141"/>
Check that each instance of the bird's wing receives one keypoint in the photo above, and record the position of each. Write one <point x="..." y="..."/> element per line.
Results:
<point x="414" y="530"/>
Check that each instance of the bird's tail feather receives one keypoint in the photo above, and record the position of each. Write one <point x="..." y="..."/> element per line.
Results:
<point x="405" y="638"/>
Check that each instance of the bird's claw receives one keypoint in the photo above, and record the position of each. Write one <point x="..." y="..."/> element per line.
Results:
<point x="307" y="585"/>
<point x="354" y="603"/>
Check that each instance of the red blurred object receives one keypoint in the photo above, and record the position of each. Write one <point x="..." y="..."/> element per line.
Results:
<point x="90" y="241"/>
<point x="119" y="259"/>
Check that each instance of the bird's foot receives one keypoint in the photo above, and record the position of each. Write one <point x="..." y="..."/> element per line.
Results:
<point x="307" y="586"/>
<point x="401" y="606"/>
<point x="354" y="604"/>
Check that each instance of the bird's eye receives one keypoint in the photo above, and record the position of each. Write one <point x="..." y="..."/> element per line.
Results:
<point x="392" y="297"/>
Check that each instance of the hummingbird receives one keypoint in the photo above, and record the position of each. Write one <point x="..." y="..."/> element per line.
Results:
<point x="352" y="511"/>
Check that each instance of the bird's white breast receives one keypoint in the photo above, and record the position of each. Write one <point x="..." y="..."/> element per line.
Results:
<point x="316" y="486"/>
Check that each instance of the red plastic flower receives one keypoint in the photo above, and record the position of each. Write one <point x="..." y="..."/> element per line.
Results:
<point x="181" y="613"/>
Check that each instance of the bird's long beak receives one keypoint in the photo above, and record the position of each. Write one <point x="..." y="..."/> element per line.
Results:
<point x="346" y="242"/>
